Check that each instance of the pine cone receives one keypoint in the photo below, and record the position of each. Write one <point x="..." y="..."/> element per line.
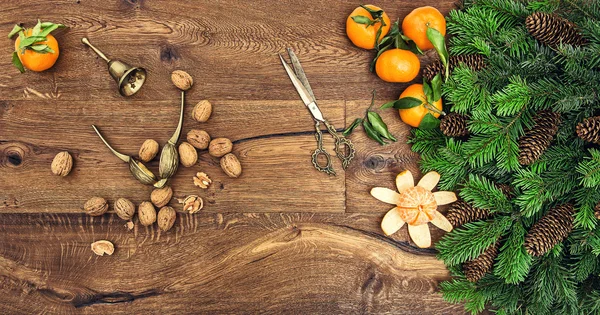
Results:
<point x="454" y="125"/>
<point x="550" y="230"/>
<point x="475" y="62"/>
<point x="506" y="190"/>
<point x="475" y="269"/>
<point x="597" y="210"/>
<point x="551" y="30"/>
<point x="589" y="129"/>
<point x="537" y="139"/>
<point x="461" y="213"/>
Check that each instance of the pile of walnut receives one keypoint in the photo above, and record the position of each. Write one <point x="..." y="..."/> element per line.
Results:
<point x="197" y="139"/>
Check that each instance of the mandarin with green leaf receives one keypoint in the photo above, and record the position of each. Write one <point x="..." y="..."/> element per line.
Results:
<point x="414" y="115"/>
<point x="362" y="27"/>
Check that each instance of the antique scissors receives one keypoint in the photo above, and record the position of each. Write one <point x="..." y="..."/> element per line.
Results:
<point x="301" y="84"/>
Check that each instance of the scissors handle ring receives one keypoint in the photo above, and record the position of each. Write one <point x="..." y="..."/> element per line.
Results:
<point x="341" y="143"/>
<point x="328" y="167"/>
<point x="345" y="156"/>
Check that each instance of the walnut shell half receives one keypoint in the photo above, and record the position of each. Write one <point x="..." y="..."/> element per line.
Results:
<point x="103" y="247"/>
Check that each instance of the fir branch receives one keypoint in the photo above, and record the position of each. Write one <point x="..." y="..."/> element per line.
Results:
<point x="482" y="193"/>
<point x="449" y="162"/>
<point x="471" y="240"/>
<point x="587" y="198"/>
<point x="513" y="261"/>
<point x="513" y="98"/>
<point x="426" y="141"/>
<point x="585" y="264"/>
<point x="549" y="283"/>
<point x="590" y="169"/>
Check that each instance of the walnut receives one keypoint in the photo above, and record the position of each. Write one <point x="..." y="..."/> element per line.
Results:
<point x="166" y="218"/>
<point x="231" y="165"/>
<point x="124" y="208"/>
<point x="62" y="164"/>
<point x="103" y="247"/>
<point x="192" y="204"/>
<point x="182" y="80"/>
<point x="202" y="180"/>
<point x="96" y="206"/>
<point x="187" y="154"/>
<point x="202" y="111"/>
<point x="146" y="213"/>
<point x="160" y="197"/>
<point x="148" y="150"/>
<point x="219" y="147"/>
<point x="198" y="138"/>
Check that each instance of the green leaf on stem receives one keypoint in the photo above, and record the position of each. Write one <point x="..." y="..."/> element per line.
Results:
<point x="439" y="43"/>
<point x="36" y="29"/>
<point x="49" y="29"/>
<point x="362" y="20"/>
<point x="351" y="128"/>
<point x="30" y="40"/>
<point x="403" y="103"/>
<point x="372" y="133"/>
<point x="376" y="14"/>
<point x="427" y="91"/>
<point x="377" y="122"/>
<point x="17" y="62"/>
<point x="14" y="31"/>
<point x="429" y="122"/>
<point x="436" y="87"/>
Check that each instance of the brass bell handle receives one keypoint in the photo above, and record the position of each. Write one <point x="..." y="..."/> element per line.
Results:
<point x="123" y="157"/>
<point x="96" y="50"/>
<point x="175" y="137"/>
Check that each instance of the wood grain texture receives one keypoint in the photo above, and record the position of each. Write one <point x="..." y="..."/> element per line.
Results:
<point x="229" y="47"/>
<point x="274" y="141"/>
<point x="282" y="238"/>
<point x="226" y="263"/>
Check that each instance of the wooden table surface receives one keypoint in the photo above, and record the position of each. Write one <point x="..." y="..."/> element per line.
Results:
<point x="283" y="238"/>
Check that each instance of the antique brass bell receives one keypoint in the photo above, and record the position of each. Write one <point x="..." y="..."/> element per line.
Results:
<point x="130" y="79"/>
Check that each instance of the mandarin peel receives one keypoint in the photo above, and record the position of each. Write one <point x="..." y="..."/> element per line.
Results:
<point x="415" y="206"/>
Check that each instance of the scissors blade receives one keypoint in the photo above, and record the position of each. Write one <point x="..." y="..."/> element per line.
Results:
<point x="300" y="72"/>
<point x="304" y="94"/>
<point x="306" y="97"/>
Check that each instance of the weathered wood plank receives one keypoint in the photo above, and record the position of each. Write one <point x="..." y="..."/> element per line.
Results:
<point x="226" y="263"/>
<point x="378" y="165"/>
<point x="229" y="47"/>
<point x="273" y="139"/>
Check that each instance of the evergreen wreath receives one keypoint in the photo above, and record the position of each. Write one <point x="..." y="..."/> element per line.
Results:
<point x="527" y="167"/>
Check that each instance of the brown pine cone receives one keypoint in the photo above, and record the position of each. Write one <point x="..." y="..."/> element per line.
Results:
<point x="597" y="210"/>
<point x="475" y="62"/>
<point x="551" y="30"/>
<point x="537" y="139"/>
<point x="454" y="125"/>
<point x="589" y="130"/>
<point x="461" y="213"/>
<point x="550" y="230"/>
<point x="506" y="190"/>
<point x="477" y="268"/>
